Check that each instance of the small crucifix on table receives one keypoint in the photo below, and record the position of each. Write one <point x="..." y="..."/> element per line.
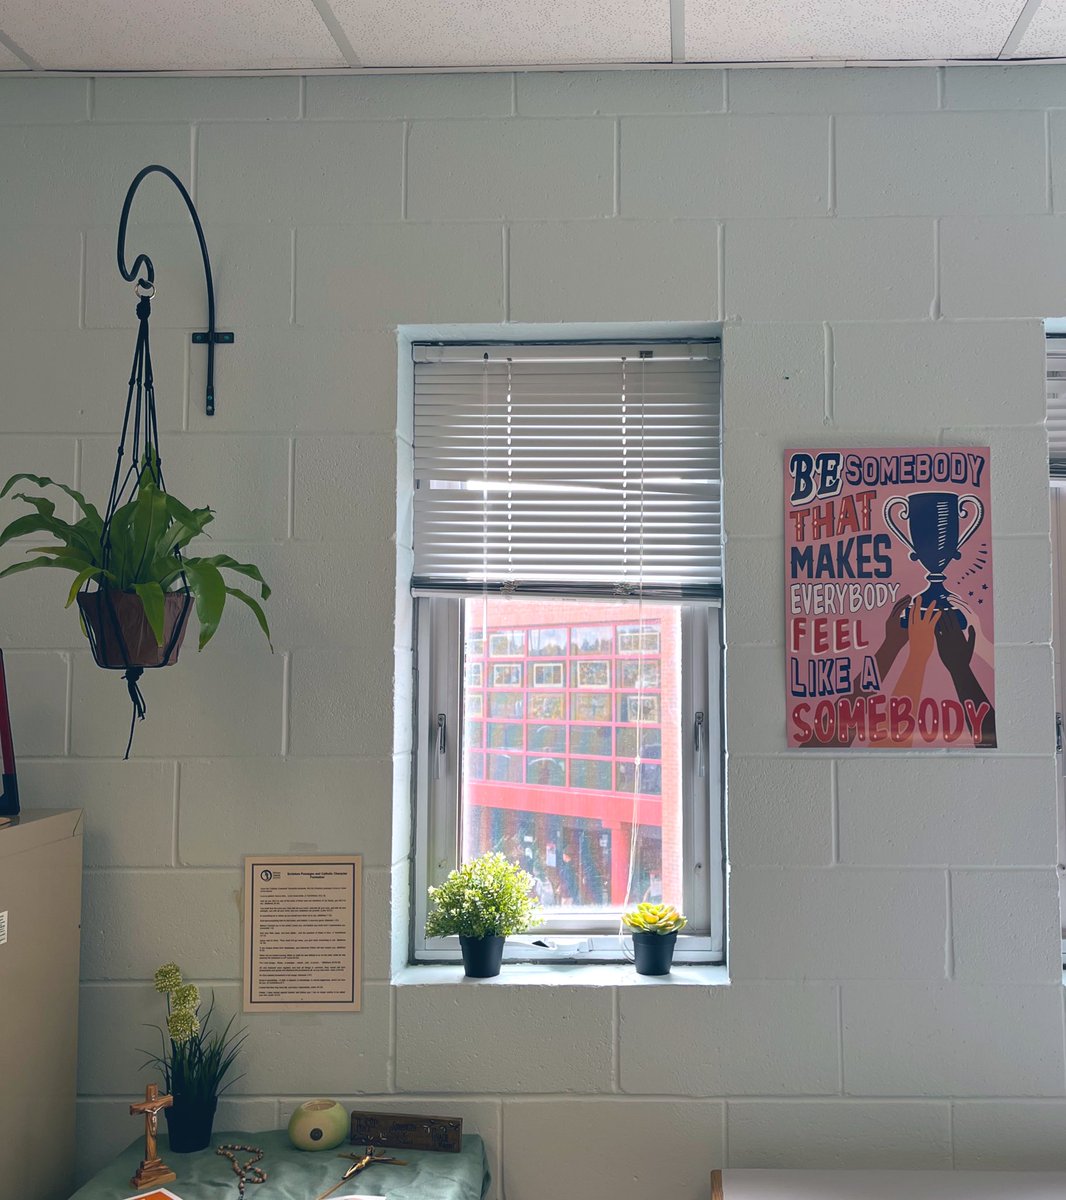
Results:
<point x="152" y="1169"/>
<point x="369" y="1159"/>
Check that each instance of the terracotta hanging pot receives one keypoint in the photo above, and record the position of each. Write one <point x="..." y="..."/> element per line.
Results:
<point x="142" y="649"/>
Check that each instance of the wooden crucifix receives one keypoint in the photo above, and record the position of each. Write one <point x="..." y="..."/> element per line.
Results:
<point x="152" y="1169"/>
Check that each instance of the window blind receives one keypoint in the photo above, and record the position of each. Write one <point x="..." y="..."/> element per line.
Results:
<point x="1056" y="406"/>
<point x="568" y="470"/>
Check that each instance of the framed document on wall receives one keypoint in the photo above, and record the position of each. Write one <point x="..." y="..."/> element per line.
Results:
<point x="303" y="917"/>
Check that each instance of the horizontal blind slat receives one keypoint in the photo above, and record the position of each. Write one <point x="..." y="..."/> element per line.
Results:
<point x="562" y="473"/>
<point x="1055" y="419"/>
<point x="1056" y="407"/>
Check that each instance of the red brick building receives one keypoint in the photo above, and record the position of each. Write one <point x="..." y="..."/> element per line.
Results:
<point x="559" y="696"/>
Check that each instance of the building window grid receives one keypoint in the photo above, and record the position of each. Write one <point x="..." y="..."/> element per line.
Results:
<point x="631" y="644"/>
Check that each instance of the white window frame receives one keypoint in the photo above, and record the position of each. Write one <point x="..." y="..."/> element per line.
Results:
<point x="438" y="647"/>
<point x="1058" y="593"/>
<point x="583" y="936"/>
<point x="1055" y="367"/>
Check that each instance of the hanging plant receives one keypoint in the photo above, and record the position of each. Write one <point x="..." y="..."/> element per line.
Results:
<point x="134" y="585"/>
<point x="136" y="567"/>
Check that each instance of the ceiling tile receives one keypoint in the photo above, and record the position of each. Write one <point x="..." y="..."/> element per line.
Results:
<point x="9" y="61"/>
<point x="195" y="35"/>
<point x="1046" y="35"/>
<point x="767" y="31"/>
<point x="459" y="33"/>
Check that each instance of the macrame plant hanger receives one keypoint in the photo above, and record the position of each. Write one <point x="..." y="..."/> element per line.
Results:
<point x="139" y="457"/>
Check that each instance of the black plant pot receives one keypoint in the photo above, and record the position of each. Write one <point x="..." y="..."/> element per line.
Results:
<point x="189" y="1125"/>
<point x="654" y="952"/>
<point x="482" y="956"/>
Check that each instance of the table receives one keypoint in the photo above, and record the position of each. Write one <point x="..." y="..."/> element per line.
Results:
<point x="768" y="1184"/>
<point x="301" y="1175"/>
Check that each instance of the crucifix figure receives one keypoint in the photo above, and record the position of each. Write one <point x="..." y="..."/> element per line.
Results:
<point x="360" y="1164"/>
<point x="152" y="1169"/>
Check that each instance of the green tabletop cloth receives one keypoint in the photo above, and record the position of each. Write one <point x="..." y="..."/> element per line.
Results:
<point x="301" y="1175"/>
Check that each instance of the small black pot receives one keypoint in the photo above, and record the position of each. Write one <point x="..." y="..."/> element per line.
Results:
<point x="482" y="956"/>
<point x="654" y="952"/>
<point x="189" y="1125"/>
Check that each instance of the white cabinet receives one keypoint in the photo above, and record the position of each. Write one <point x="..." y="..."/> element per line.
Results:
<point x="40" y="906"/>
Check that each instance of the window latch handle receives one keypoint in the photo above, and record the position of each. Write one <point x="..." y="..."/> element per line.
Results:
<point x="440" y="758"/>
<point x="700" y="743"/>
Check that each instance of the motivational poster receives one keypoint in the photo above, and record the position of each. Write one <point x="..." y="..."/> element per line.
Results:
<point x="888" y="598"/>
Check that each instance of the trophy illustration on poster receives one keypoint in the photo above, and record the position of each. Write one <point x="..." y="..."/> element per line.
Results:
<point x="935" y="540"/>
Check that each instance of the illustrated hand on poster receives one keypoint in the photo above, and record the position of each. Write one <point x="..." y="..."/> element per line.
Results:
<point x="956" y="653"/>
<point x="921" y="638"/>
<point x="895" y="636"/>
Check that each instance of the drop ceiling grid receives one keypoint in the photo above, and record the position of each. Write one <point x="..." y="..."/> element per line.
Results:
<point x="204" y="37"/>
<point x="754" y="30"/>
<point x="193" y="35"/>
<point x="9" y="61"/>
<point x="1046" y="32"/>
<point x="460" y="33"/>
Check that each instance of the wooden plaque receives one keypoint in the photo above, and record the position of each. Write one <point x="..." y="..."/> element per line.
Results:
<point x="406" y="1131"/>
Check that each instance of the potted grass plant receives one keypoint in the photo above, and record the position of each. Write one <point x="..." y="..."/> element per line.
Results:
<point x="145" y="583"/>
<point x="654" y="928"/>
<point x="482" y="903"/>
<point x="195" y="1060"/>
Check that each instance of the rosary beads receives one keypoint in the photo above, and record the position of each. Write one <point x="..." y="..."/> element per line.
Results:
<point x="246" y="1172"/>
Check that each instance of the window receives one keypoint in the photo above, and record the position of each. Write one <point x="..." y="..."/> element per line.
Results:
<point x="1056" y="430"/>
<point x="568" y="581"/>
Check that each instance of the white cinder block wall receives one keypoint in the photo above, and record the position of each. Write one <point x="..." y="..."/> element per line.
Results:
<point x="881" y="246"/>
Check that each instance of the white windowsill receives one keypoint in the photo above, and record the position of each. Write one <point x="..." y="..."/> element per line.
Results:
<point x="549" y="974"/>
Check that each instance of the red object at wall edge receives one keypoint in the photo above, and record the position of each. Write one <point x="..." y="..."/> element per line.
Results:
<point x="9" y="795"/>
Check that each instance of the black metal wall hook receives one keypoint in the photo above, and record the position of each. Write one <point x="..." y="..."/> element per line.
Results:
<point x="211" y="338"/>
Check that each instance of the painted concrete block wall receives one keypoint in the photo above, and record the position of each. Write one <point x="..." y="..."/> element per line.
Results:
<point x="881" y="246"/>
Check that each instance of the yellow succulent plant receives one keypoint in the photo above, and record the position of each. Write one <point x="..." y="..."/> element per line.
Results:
<point x="654" y="918"/>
